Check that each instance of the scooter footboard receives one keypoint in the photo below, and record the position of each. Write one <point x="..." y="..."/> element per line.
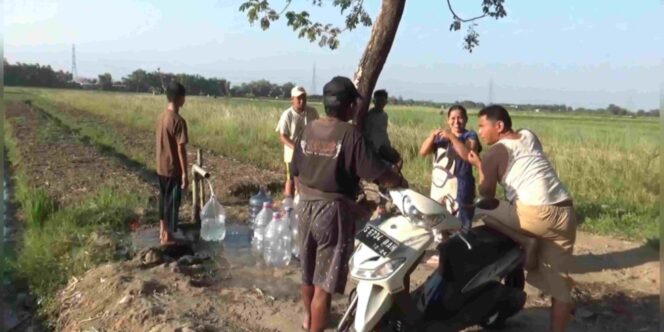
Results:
<point x="373" y="303"/>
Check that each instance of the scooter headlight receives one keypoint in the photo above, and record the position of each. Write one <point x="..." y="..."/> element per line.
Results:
<point x="379" y="272"/>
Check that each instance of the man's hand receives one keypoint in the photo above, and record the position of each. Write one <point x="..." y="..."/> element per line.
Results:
<point x="436" y="133"/>
<point x="185" y="181"/>
<point x="474" y="159"/>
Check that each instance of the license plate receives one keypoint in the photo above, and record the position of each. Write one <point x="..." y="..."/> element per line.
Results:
<point x="377" y="240"/>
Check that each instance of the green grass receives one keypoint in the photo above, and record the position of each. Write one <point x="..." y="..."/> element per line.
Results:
<point x="59" y="242"/>
<point x="67" y="243"/>
<point x="608" y="163"/>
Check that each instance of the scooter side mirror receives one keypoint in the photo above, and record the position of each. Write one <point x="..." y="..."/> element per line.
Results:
<point x="486" y="203"/>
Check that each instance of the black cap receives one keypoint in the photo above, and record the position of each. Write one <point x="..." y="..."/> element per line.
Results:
<point x="339" y="89"/>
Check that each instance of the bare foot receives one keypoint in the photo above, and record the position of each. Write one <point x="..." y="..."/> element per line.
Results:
<point x="531" y="254"/>
<point x="168" y="239"/>
<point x="305" y="322"/>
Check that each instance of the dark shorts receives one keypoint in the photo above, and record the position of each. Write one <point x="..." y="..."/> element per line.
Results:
<point x="170" y="194"/>
<point x="327" y="233"/>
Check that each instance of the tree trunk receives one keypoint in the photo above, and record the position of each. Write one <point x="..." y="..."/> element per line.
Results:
<point x="375" y="54"/>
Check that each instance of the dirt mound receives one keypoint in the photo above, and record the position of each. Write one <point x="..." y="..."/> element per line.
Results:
<point x="132" y="296"/>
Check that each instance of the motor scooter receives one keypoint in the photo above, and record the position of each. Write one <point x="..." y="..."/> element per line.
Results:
<point x="479" y="280"/>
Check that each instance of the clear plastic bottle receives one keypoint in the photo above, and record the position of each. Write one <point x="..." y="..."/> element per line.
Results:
<point x="260" y="222"/>
<point x="271" y="240"/>
<point x="286" y="245"/>
<point x="213" y="221"/>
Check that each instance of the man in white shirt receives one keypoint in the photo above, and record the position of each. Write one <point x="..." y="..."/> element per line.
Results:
<point x="539" y="211"/>
<point x="290" y="128"/>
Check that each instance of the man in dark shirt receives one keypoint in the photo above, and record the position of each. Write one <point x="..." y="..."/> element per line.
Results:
<point x="329" y="160"/>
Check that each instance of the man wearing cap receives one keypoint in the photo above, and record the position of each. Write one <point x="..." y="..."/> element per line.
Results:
<point x="329" y="159"/>
<point x="290" y="127"/>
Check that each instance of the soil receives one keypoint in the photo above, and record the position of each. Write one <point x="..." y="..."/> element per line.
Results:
<point x="617" y="282"/>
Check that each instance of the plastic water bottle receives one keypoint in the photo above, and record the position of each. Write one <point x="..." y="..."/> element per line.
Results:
<point x="256" y="203"/>
<point x="213" y="221"/>
<point x="260" y="223"/>
<point x="271" y="241"/>
<point x="286" y="245"/>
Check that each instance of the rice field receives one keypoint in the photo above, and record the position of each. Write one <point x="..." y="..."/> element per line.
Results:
<point x="610" y="164"/>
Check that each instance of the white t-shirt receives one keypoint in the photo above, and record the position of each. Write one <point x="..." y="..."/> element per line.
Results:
<point x="292" y="125"/>
<point x="529" y="176"/>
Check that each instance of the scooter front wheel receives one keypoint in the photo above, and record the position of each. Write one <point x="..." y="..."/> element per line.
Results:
<point x="346" y="322"/>
<point x="515" y="280"/>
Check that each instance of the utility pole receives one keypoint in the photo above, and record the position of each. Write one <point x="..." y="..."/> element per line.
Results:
<point x="74" y="72"/>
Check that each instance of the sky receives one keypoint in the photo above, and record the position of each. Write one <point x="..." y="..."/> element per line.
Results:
<point x="588" y="53"/>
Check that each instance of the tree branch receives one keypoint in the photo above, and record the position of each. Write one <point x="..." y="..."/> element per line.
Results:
<point x="456" y="17"/>
<point x="358" y="10"/>
<point x="288" y="3"/>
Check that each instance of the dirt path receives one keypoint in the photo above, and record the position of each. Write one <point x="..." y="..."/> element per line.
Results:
<point x="617" y="281"/>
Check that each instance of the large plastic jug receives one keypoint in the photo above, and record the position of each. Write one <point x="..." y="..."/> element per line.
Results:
<point x="271" y="241"/>
<point x="213" y="220"/>
<point x="256" y="202"/>
<point x="260" y="222"/>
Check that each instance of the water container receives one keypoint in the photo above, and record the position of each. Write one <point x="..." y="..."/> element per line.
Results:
<point x="213" y="221"/>
<point x="256" y="203"/>
<point x="286" y="245"/>
<point x="260" y="222"/>
<point x="271" y="241"/>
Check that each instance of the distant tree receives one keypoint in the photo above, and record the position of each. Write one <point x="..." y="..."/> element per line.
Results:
<point x="106" y="81"/>
<point x="616" y="110"/>
<point x="261" y="88"/>
<point x="137" y="81"/>
<point x="286" y="88"/>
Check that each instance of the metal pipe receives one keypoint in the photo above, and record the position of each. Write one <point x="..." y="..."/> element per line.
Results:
<point x="200" y="171"/>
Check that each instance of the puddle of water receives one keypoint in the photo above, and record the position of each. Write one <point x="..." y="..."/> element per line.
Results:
<point x="236" y="246"/>
<point x="235" y="261"/>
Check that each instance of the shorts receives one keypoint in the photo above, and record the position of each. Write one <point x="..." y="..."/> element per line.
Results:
<point x="170" y="195"/>
<point x="289" y="176"/>
<point x="326" y="240"/>
<point x="555" y="228"/>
